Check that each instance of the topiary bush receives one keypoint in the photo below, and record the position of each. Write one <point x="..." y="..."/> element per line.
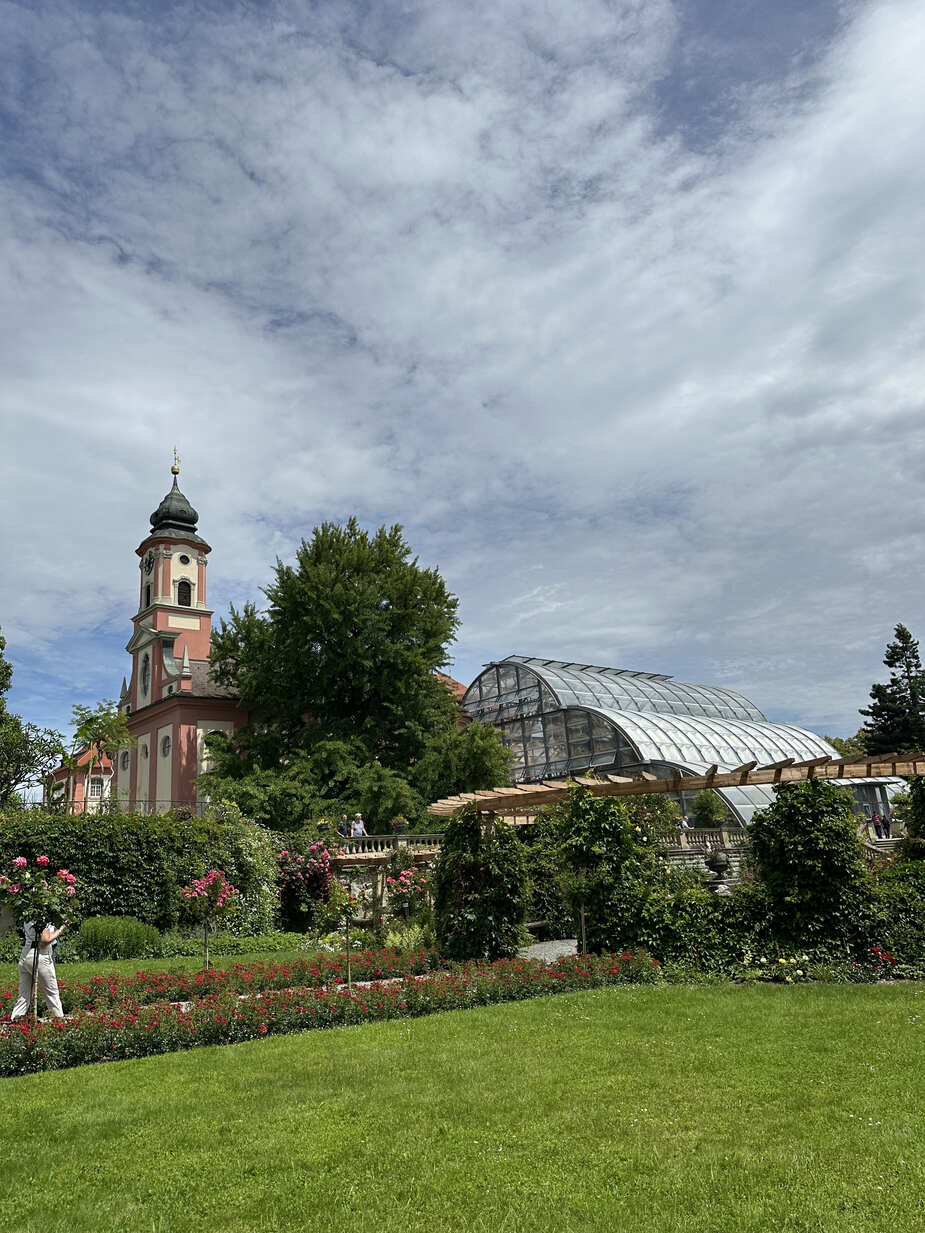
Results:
<point x="479" y="882"/>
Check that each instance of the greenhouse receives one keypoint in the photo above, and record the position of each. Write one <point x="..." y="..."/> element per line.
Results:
<point x="560" y="719"/>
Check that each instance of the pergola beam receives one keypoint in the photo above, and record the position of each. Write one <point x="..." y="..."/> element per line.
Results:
<point x="527" y="798"/>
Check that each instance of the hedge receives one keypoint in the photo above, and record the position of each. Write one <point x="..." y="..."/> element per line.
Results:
<point x="135" y="865"/>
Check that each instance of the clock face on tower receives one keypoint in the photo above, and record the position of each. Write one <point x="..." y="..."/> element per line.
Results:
<point x="149" y="561"/>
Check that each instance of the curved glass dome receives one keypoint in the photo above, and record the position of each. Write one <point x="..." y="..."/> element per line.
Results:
<point x="575" y="684"/>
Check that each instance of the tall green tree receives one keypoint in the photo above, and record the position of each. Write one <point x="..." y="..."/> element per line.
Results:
<point x="101" y="729"/>
<point x="896" y="715"/>
<point x="27" y="753"/>
<point x="338" y="673"/>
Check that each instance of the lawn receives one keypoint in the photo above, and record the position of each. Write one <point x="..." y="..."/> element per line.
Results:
<point x="732" y="1110"/>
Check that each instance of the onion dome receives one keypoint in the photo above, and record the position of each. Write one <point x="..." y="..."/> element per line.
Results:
<point x="175" y="516"/>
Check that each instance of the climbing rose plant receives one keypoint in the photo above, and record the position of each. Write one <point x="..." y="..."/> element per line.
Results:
<point x="304" y="885"/>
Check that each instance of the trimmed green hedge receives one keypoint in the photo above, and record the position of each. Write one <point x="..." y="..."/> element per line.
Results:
<point x="135" y="865"/>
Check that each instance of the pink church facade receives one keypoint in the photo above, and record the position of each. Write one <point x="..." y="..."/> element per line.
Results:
<point x="170" y="699"/>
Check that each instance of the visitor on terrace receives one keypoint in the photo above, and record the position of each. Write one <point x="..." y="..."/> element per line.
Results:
<point x="357" y="826"/>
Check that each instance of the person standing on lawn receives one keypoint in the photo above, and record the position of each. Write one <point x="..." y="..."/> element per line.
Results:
<point x="47" y="980"/>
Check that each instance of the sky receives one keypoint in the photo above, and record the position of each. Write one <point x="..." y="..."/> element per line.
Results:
<point x="617" y="306"/>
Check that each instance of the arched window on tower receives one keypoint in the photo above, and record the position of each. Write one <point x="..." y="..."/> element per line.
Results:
<point x="148" y="596"/>
<point x="184" y="594"/>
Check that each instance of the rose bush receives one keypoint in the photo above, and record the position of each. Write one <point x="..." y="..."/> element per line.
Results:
<point x="131" y="1030"/>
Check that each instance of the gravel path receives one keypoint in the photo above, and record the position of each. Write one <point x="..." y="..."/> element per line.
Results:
<point x="548" y="951"/>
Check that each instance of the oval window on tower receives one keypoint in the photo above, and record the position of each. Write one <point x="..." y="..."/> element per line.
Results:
<point x="165" y="747"/>
<point x="124" y="760"/>
<point x="184" y="594"/>
<point x="184" y="560"/>
<point x="145" y="673"/>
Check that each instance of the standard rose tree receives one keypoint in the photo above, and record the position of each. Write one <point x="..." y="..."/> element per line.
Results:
<point x="210" y="898"/>
<point x="33" y="897"/>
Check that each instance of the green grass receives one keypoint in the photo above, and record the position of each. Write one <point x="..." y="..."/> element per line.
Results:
<point x="728" y="1110"/>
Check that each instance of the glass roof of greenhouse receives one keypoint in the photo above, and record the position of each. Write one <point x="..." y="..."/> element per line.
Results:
<point x="684" y="739"/>
<point x="618" y="688"/>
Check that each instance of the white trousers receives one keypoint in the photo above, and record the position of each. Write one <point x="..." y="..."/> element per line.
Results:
<point x="48" y="986"/>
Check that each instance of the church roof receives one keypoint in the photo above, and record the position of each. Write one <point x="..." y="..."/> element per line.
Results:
<point x="175" y="516"/>
<point x="203" y="684"/>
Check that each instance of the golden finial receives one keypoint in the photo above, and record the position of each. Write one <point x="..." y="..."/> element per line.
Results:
<point x="175" y="469"/>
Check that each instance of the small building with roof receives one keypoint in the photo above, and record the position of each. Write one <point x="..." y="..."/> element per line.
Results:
<point x="561" y="719"/>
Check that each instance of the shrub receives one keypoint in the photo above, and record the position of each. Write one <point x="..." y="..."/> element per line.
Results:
<point x="807" y="853"/>
<point x="547" y="903"/>
<point x="479" y="884"/>
<point x="305" y="885"/>
<point x="897" y="910"/>
<point x="116" y="937"/>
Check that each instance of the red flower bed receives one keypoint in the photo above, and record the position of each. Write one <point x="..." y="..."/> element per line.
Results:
<point x="322" y="969"/>
<point x="133" y="1029"/>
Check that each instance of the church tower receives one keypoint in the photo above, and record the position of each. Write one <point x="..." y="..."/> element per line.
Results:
<point x="170" y="699"/>
<point x="173" y="626"/>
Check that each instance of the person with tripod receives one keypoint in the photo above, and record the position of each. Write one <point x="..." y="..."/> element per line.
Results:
<point x="40" y="966"/>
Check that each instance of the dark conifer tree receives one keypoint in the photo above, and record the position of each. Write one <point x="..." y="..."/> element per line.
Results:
<point x="896" y="715"/>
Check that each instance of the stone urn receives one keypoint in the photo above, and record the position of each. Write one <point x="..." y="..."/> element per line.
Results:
<point x="718" y="863"/>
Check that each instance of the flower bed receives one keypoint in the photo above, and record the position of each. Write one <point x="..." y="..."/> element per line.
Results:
<point x="133" y="1030"/>
<point x="148" y="987"/>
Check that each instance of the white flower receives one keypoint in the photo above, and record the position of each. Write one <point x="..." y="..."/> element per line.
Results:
<point x="799" y="971"/>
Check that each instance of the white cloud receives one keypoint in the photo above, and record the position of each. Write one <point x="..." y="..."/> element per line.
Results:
<point x="647" y="401"/>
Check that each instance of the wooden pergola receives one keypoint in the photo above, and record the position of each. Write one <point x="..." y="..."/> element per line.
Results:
<point x="529" y="797"/>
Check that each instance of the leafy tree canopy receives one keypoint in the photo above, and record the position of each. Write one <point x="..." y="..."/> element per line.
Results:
<point x="339" y="673"/>
<point x="850" y="745"/>
<point x="896" y="715"/>
<point x="27" y="753"/>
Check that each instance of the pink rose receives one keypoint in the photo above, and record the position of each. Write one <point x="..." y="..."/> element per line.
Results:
<point x="19" y="862"/>
<point x="41" y="860"/>
<point x="14" y="889"/>
<point x="71" y="891"/>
